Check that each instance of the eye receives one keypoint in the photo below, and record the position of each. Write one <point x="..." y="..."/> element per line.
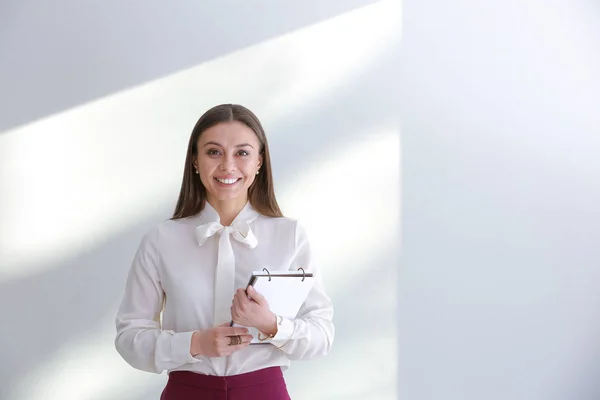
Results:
<point x="243" y="153"/>
<point x="213" y="152"/>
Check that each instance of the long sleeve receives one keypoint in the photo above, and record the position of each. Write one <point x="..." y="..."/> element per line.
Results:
<point x="311" y="334"/>
<point x="140" y="340"/>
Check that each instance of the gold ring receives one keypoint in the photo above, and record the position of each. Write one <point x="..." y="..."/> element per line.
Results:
<point x="235" y="340"/>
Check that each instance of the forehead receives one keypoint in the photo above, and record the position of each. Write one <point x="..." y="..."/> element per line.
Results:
<point x="229" y="134"/>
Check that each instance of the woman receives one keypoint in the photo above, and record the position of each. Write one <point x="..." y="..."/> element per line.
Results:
<point x="193" y="269"/>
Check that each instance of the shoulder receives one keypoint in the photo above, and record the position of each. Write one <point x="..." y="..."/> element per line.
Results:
<point x="283" y="228"/>
<point x="169" y="230"/>
<point x="277" y="224"/>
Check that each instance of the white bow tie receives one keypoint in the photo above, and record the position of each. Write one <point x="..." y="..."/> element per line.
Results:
<point x="225" y="273"/>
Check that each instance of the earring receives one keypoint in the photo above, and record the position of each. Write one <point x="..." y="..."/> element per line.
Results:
<point x="256" y="172"/>
<point x="196" y="171"/>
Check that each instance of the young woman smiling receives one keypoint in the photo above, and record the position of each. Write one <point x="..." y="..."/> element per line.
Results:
<point x="193" y="269"/>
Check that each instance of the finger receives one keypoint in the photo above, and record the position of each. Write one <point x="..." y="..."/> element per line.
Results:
<point x="254" y="295"/>
<point x="239" y="347"/>
<point x="243" y="338"/>
<point x="246" y="338"/>
<point x="243" y="297"/>
<point x="240" y="294"/>
<point x="225" y="348"/>
<point x="245" y="294"/>
<point x="233" y="349"/>
<point x="235" y="308"/>
<point x="224" y="345"/>
<point x="235" y="331"/>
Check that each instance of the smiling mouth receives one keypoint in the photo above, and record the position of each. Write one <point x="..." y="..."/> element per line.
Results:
<point x="228" y="181"/>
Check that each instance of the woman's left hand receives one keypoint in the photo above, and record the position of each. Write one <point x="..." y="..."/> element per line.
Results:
<point x="252" y="310"/>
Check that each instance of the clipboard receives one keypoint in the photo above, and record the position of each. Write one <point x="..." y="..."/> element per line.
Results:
<point x="285" y="291"/>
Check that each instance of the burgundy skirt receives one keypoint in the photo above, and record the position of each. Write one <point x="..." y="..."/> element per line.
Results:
<point x="264" y="384"/>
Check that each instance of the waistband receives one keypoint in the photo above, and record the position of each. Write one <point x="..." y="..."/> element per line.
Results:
<point x="212" y="382"/>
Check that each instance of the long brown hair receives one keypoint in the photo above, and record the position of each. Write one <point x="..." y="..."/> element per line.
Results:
<point x="261" y="193"/>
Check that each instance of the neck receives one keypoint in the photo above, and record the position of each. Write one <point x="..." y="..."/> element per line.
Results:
<point x="227" y="209"/>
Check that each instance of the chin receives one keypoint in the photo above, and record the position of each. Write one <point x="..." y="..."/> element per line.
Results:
<point x="226" y="198"/>
<point x="221" y="196"/>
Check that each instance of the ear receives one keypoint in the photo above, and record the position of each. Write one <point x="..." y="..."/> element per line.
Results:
<point x="260" y="161"/>
<point x="195" y="162"/>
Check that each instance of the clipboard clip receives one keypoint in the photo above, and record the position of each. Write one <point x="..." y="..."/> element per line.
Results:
<point x="268" y="273"/>
<point x="303" y="273"/>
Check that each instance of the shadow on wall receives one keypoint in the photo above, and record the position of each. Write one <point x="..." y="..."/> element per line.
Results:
<point x="55" y="57"/>
<point x="75" y="299"/>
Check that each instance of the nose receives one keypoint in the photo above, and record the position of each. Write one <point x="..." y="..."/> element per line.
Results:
<point x="228" y="164"/>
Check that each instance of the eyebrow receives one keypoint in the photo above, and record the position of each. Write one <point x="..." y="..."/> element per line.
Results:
<point x="220" y="145"/>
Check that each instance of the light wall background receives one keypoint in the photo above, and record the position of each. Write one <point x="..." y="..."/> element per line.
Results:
<point x="499" y="285"/>
<point x="98" y="101"/>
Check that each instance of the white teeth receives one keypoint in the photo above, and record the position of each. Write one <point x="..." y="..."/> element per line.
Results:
<point x="227" y="181"/>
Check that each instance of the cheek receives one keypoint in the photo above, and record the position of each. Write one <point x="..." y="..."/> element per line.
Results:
<point x="205" y="169"/>
<point x="205" y="164"/>
<point x="249" y="173"/>
<point x="249" y="166"/>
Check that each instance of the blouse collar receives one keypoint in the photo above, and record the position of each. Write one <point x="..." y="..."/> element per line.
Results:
<point x="246" y="215"/>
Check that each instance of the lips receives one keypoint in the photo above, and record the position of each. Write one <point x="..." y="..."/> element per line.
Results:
<point x="228" y="181"/>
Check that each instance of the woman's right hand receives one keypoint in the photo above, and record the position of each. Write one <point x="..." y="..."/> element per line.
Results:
<point x="214" y="342"/>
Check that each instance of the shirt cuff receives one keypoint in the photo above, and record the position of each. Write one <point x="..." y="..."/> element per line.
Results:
<point x="285" y="330"/>
<point x="180" y="347"/>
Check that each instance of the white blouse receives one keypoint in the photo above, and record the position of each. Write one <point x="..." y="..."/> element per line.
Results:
<point x="181" y="266"/>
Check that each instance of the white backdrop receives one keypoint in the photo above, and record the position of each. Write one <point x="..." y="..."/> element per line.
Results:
<point x="98" y="104"/>
<point x="499" y="284"/>
<point x="499" y="290"/>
